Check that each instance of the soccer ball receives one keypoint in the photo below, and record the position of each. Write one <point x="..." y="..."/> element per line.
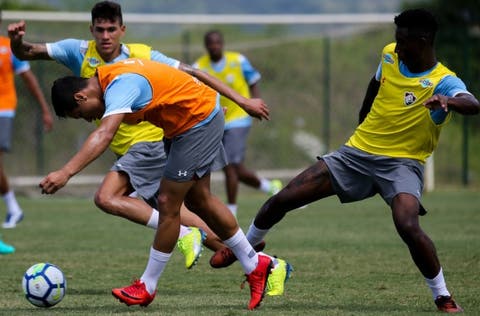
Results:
<point x="44" y="284"/>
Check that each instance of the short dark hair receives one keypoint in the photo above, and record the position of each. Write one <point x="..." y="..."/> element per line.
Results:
<point x="107" y="10"/>
<point x="207" y="35"/>
<point x="63" y="91"/>
<point x="418" y="22"/>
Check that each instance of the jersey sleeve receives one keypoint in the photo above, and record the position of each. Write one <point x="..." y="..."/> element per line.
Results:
<point x="378" y="73"/>
<point x="20" y="66"/>
<point x="451" y="86"/>
<point x="251" y="74"/>
<point x="67" y="52"/>
<point x="127" y="93"/>
<point x="157" y="56"/>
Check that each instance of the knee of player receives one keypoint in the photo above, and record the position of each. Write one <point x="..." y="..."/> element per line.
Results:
<point x="408" y="228"/>
<point x="103" y="202"/>
<point x="169" y="204"/>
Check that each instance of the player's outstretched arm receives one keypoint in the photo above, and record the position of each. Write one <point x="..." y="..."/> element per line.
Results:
<point x="462" y="103"/>
<point x="22" y="49"/>
<point x="254" y="107"/>
<point x="96" y="143"/>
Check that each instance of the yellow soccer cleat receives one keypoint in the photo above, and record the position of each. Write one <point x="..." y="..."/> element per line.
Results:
<point x="191" y="246"/>
<point x="279" y="275"/>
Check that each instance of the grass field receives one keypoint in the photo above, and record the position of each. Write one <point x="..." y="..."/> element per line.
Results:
<point x="348" y="260"/>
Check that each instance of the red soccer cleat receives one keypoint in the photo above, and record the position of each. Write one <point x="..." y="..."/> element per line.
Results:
<point x="225" y="257"/>
<point x="447" y="304"/>
<point x="135" y="294"/>
<point x="258" y="281"/>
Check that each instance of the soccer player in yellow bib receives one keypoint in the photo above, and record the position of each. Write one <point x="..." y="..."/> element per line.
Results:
<point x="407" y="103"/>
<point x="138" y="147"/>
<point x="235" y="70"/>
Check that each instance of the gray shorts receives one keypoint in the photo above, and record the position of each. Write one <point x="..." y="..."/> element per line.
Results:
<point x="357" y="175"/>
<point x="144" y="163"/>
<point x="197" y="152"/>
<point x="6" y="132"/>
<point x="235" y="143"/>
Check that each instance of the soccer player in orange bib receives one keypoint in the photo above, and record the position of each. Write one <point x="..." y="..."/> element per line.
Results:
<point x="188" y="111"/>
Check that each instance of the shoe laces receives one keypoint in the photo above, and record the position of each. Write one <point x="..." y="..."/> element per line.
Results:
<point x="136" y="289"/>
<point x="183" y="243"/>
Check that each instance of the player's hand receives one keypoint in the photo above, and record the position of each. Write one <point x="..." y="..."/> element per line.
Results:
<point x="16" y="31"/>
<point x="437" y="101"/>
<point x="54" y="181"/>
<point x="256" y="108"/>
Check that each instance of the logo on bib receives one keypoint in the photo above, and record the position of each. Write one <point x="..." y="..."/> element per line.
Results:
<point x="388" y="59"/>
<point x="93" y="62"/>
<point x="426" y="83"/>
<point x="410" y="98"/>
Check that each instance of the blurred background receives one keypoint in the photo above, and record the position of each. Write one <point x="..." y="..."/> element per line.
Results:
<point x="314" y="76"/>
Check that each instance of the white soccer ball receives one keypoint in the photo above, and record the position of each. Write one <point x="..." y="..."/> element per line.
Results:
<point x="44" y="284"/>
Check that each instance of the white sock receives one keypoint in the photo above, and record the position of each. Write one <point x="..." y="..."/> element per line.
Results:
<point x="264" y="185"/>
<point x="233" y="209"/>
<point x="256" y="235"/>
<point x="11" y="202"/>
<point x="437" y="285"/>
<point x="183" y="231"/>
<point x="155" y="266"/>
<point x="153" y="221"/>
<point x="244" y="252"/>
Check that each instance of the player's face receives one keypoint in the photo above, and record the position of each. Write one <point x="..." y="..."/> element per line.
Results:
<point x="107" y="35"/>
<point x="407" y="48"/>
<point x="214" y="46"/>
<point x="89" y="108"/>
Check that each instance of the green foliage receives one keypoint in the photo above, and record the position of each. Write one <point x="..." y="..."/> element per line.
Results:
<point x="348" y="260"/>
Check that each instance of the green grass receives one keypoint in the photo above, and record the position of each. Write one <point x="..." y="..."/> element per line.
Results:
<point x="348" y="260"/>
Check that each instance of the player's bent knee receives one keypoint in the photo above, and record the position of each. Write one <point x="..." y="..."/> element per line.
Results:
<point x="103" y="203"/>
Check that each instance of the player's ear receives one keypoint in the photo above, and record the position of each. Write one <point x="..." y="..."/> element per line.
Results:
<point x="80" y="97"/>
<point x="91" y="29"/>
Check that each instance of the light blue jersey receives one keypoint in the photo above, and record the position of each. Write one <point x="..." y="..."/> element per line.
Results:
<point x="71" y="53"/>
<point x="127" y="93"/>
<point x="19" y="66"/>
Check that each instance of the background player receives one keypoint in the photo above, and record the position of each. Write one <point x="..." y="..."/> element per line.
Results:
<point x="235" y="70"/>
<point x="9" y="66"/>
